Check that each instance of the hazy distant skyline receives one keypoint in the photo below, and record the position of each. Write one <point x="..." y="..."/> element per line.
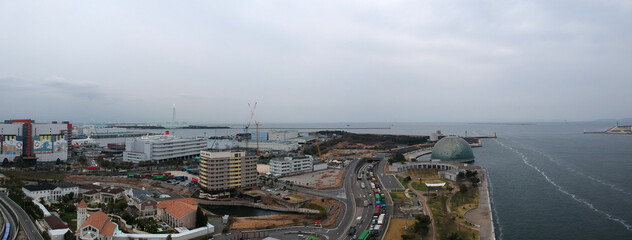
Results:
<point x="323" y="61"/>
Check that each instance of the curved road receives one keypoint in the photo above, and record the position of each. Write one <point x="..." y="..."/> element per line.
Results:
<point x="29" y="227"/>
<point x="9" y="217"/>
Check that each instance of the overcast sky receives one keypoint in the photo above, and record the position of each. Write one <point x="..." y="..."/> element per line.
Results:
<point x="316" y="61"/>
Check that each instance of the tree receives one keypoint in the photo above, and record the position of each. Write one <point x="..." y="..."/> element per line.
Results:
<point x="45" y="235"/>
<point x="454" y="236"/>
<point x="460" y="176"/>
<point x="463" y="188"/>
<point x="168" y="237"/>
<point x="398" y="157"/>
<point x="200" y="219"/>
<point x="58" y="161"/>
<point x="421" y="224"/>
<point x="69" y="236"/>
<point x="5" y="162"/>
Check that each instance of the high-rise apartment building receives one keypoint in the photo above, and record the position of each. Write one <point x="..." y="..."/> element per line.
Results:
<point x="227" y="170"/>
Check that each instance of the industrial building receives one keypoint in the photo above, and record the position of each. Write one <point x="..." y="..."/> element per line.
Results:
<point x="270" y="145"/>
<point x="227" y="170"/>
<point x="291" y="165"/>
<point x="34" y="142"/>
<point x="282" y="135"/>
<point x="162" y="147"/>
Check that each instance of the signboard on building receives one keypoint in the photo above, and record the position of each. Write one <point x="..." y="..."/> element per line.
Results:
<point x="12" y="145"/>
<point x="60" y="144"/>
<point x="42" y="145"/>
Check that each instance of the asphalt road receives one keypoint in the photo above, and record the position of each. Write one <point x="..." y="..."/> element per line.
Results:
<point x="346" y="195"/>
<point x="8" y="217"/>
<point x="28" y="225"/>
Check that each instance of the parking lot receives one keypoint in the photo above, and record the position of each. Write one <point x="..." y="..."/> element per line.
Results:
<point x="390" y="182"/>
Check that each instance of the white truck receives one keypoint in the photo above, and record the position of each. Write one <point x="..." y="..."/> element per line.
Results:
<point x="380" y="219"/>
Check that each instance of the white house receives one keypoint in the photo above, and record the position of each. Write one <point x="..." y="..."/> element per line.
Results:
<point x="50" y="191"/>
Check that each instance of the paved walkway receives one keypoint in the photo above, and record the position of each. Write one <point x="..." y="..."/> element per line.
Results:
<point x="424" y="202"/>
<point x="482" y="214"/>
<point x="447" y="206"/>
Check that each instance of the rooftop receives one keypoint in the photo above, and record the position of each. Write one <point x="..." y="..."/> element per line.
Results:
<point x="453" y="148"/>
<point x="101" y="221"/>
<point x="55" y="223"/>
<point x="178" y="207"/>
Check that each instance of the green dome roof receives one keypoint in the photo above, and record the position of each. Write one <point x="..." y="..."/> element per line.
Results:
<point x="453" y="148"/>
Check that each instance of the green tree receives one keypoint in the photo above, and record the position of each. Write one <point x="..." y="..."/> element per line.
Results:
<point x="69" y="236"/>
<point x="58" y="161"/>
<point x="5" y="162"/>
<point x="45" y="235"/>
<point x="463" y="188"/>
<point x="421" y="224"/>
<point x="398" y="157"/>
<point x="454" y="236"/>
<point x="168" y="237"/>
<point x="200" y="219"/>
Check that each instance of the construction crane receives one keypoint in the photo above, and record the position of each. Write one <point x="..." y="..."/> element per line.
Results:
<point x="252" y="115"/>
<point x="317" y="147"/>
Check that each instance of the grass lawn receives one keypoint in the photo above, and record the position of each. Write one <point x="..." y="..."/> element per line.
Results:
<point x="461" y="203"/>
<point x="419" y="186"/>
<point x="396" y="228"/>
<point x="445" y="225"/>
<point x="401" y="180"/>
<point x="423" y="173"/>
<point x="398" y="195"/>
<point x="70" y="218"/>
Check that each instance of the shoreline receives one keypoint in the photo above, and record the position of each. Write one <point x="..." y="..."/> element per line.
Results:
<point x="482" y="216"/>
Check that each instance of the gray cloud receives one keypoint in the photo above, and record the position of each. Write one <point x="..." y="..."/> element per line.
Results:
<point x="320" y="61"/>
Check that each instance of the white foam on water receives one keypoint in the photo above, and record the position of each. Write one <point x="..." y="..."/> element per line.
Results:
<point x="571" y="169"/>
<point x="562" y="190"/>
<point x="494" y="212"/>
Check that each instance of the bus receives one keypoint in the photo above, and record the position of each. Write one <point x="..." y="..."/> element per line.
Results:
<point x="365" y="234"/>
<point x="359" y="176"/>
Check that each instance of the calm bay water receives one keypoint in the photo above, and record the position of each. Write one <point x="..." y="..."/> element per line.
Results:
<point x="547" y="180"/>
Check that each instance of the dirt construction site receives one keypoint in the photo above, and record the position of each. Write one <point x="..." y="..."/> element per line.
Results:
<point x="124" y="182"/>
<point x="323" y="179"/>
